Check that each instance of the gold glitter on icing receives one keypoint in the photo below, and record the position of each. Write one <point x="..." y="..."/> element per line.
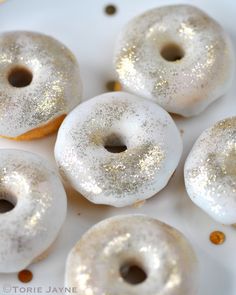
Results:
<point x="27" y="230"/>
<point x="116" y="245"/>
<point x="229" y="164"/>
<point x="134" y="166"/>
<point x="224" y="125"/>
<point x="212" y="176"/>
<point x="55" y="88"/>
<point x="126" y="64"/>
<point x="114" y="119"/>
<point x="179" y="85"/>
<point x="134" y="240"/>
<point x="161" y="85"/>
<point x="186" y="31"/>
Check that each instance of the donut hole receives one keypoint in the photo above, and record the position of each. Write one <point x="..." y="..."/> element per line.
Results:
<point x="20" y="76"/>
<point x="132" y="273"/>
<point x="114" y="144"/>
<point x="7" y="202"/>
<point x="172" y="52"/>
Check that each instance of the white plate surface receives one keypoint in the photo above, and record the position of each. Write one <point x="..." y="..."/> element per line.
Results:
<point x="91" y="34"/>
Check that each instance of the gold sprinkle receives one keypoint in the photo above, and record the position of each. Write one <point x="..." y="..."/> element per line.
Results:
<point x="110" y="9"/>
<point x="217" y="237"/>
<point x="25" y="276"/>
<point x="139" y="204"/>
<point x="113" y="86"/>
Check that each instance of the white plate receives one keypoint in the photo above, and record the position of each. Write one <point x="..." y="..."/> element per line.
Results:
<point x="90" y="34"/>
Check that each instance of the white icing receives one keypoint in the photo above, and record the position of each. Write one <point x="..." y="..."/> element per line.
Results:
<point x="154" y="147"/>
<point x="32" y="226"/>
<point x="210" y="171"/>
<point x="54" y="90"/>
<point x="185" y="86"/>
<point x="93" y="265"/>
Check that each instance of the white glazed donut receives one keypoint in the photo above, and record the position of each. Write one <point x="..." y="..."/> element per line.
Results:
<point x="100" y="262"/>
<point x="177" y="56"/>
<point x="153" y="142"/>
<point x="210" y="171"/>
<point x="39" y="83"/>
<point x="29" y="229"/>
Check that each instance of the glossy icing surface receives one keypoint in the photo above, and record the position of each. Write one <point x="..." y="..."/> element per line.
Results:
<point x="153" y="143"/>
<point x="210" y="171"/>
<point x="52" y="73"/>
<point x="177" y="56"/>
<point x="94" y="264"/>
<point x="39" y="200"/>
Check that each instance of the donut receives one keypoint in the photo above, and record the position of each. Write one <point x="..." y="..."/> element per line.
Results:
<point x="132" y="255"/>
<point x="38" y="209"/>
<point x="39" y="84"/>
<point x="177" y="56"/>
<point x="210" y="171"/>
<point x="118" y="149"/>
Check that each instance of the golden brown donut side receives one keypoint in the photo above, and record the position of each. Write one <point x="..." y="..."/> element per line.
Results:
<point x="39" y="132"/>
